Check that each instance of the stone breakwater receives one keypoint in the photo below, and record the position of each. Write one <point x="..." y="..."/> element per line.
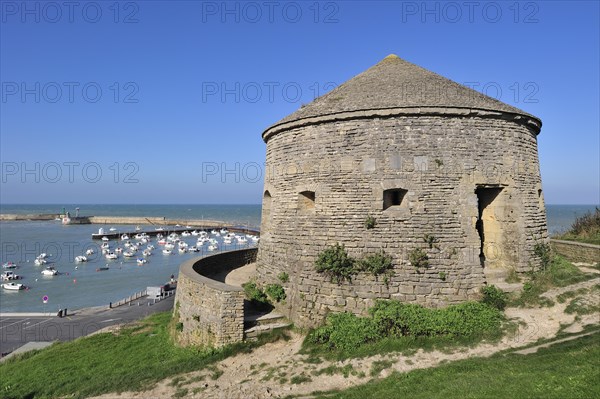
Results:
<point x="161" y="221"/>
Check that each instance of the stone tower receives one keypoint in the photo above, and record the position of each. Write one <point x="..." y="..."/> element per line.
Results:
<point x="438" y="166"/>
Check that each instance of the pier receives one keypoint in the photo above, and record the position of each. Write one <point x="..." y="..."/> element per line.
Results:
<point x="166" y="231"/>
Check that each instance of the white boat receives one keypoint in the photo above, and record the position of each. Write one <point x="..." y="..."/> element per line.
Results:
<point x="118" y="250"/>
<point x="167" y="251"/>
<point x="213" y="232"/>
<point x="182" y="250"/>
<point x="212" y="247"/>
<point x="159" y="229"/>
<point x="150" y="247"/>
<point x="111" y="255"/>
<point x="50" y="271"/>
<point x="169" y="246"/>
<point x="89" y="252"/>
<point x="224" y="231"/>
<point x="43" y="255"/>
<point x="141" y="261"/>
<point x="137" y="228"/>
<point x="39" y="262"/>
<point x="80" y="259"/>
<point x="105" y="245"/>
<point x="188" y="227"/>
<point x="124" y="237"/>
<point x="146" y="252"/>
<point x="195" y="233"/>
<point x="177" y="225"/>
<point x="13" y="286"/>
<point x="112" y="229"/>
<point x="9" y="275"/>
<point x="105" y="238"/>
<point x="193" y="248"/>
<point x="183" y="244"/>
<point x="162" y="242"/>
<point x="9" y="265"/>
<point x="128" y="254"/>
<point x="186" y="234"/>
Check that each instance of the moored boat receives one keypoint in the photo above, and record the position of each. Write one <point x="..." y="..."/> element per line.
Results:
<point x="13" y="286"/>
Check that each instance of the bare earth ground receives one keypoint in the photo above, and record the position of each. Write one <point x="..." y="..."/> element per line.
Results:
<point x="267" y="371"/>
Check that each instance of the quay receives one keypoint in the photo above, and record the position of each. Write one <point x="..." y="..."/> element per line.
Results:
<point x="166" y="231"/>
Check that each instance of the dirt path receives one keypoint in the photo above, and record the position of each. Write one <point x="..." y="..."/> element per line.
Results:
<point x="276" y="370"/>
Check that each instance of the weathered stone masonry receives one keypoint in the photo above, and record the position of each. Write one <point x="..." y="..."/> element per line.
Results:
<point x="211" y="312"/>
<point x="464" y="170"/>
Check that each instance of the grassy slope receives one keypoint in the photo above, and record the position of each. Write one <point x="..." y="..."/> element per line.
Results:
<point x="566" y="370"/>
<point x="134" y="359"/>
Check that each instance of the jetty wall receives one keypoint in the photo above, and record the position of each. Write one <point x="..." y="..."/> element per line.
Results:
<point x="210" y="312"/>
<point x="577" y="251"/>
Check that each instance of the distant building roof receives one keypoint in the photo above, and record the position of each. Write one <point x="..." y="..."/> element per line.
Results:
<point x="396" y="83"/>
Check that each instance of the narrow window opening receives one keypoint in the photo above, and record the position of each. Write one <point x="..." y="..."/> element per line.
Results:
<point x="266" y="211"/>
<point x="306" y="200"/>
<point x="393" y="198"/>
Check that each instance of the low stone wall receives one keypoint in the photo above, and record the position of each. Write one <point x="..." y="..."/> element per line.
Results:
<point x="210" y="312"/>
<point x="576" y="251"/>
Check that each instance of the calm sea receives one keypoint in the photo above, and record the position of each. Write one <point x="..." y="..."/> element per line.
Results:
<point x="80" y="285"/>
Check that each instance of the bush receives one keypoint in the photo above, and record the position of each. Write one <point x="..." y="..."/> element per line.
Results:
<point x="394" y="319"/>
<point x="275" y="292"/>
<point x="543" y="252"/>
<point x="465" y="319"/>
<point x="346" y="331"/>
<point x="370" y="222"/>
<point x="256" y="296"/>
<point x="283" y="277"/>
<point x="585" y="228"/>
<point x="376" y="264"/>
<point x="418" y="258"/>
<point x="493" y="296"/>
<point x="335" y="263"/>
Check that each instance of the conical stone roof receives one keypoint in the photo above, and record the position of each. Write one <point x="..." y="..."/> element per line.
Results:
<point x="396" y="84"/>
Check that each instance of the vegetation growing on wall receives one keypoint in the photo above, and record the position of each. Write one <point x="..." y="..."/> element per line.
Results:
<point x="339" y="266"/>
<point x="336" y="264"/>
<point x="418" y="258"/>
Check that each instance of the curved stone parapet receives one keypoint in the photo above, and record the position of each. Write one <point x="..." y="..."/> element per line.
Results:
<point x="210" y="312"/>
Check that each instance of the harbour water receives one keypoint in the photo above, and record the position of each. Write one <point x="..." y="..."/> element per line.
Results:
<point x="79" y="285"/>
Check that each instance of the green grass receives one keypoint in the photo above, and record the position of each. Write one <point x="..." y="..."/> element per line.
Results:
<point x="134" y="359"/>
<point x="567" y="370"/>
<point x="559" y="273"/>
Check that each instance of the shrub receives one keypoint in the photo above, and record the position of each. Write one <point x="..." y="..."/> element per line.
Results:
<point x="283" y="277"/>
<point x="256" y="296"/>
<point x="465" y="319"/>
<point x="370" y="222"/>
<point x="493" y="296"/>
<point x="346" y="331"/>
<point x="430" y="239"/>
<point x="543" y="252"/>
<point x="335" y="263"/>
<point x="275" y="292"/>
<point x="418" y="258"/>
<point x="394" y="319"/>
<point x="376" y="264"/>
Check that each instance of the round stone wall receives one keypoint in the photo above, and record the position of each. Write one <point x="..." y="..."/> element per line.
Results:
<point x="429" y="181"/>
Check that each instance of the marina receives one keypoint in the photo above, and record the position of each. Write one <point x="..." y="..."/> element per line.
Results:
<point x="65" y="265"/>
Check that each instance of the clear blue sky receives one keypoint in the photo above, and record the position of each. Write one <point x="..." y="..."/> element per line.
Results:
<point x="150" y="101"/>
